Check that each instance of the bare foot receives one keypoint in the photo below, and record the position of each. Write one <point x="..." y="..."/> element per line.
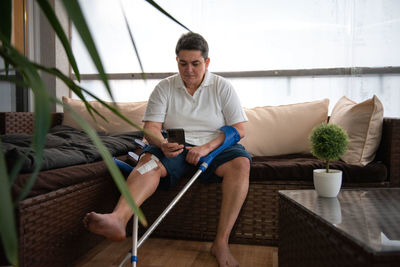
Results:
<point x="223" y="255"/>
<point x="106" y="225"/>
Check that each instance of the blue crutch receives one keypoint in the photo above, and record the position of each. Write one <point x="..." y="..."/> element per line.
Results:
<point x="231" y="137"/>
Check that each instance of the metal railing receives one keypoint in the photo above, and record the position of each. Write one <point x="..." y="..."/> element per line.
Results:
<point x="355" y="71"/>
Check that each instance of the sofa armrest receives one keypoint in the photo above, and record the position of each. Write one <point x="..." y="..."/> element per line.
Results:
<point x="389" y="149"/>
<point x="23" y="122"/>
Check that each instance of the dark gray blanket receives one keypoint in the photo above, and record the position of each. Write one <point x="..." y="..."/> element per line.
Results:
<point x="65" y="146"/>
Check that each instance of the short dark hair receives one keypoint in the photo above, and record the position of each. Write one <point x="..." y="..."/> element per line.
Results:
<point x="192" y="41"/>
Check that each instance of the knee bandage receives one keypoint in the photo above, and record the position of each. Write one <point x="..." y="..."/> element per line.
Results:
<point x="148" y="166"/>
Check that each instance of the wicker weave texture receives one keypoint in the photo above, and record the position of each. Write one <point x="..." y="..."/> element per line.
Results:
<point x="17" y="122"/>
<point x="196" y="216"/>
<point x="393" y="126"/>
<point x="23" y="122"/>
<point x="389" y="149"/>
<point x="306" y="240"/>
<point x="51" y="232"/>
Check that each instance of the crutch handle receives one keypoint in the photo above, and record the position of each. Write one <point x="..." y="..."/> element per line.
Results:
<point x="232" y="136"/>
<point x="124" y="167"/>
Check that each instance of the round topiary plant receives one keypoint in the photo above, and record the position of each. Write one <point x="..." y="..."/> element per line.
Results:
<point x="328" y="142"/>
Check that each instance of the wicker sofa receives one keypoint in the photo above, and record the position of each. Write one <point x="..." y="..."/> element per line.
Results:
<point x="49" y="223"/>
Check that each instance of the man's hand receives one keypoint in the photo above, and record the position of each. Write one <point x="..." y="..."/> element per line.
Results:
<point x="195" y="153"/>
<point x="171" y="150"/>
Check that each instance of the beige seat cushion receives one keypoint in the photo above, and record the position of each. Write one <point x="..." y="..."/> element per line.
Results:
<point x="279" y="130"/>
<point x="363" y="123"/>
<point x="132" y="110"/>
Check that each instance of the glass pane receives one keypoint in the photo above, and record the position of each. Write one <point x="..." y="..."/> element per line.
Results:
<point x="123" y="90"/>
<point x="375" y="30"/>
<point x="281" y="91"/>
<point x="254" y="35"/>
<point x="246" y="35"/>
<point x="7" y="99"/>
<point x="255" y="92"/>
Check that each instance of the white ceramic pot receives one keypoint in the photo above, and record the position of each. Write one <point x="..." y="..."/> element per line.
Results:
<point x="327" y="184"/>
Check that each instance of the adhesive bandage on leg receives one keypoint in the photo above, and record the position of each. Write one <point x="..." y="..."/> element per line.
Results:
<point x="148" y="166"/>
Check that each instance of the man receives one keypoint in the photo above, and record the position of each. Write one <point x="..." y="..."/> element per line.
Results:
<point x="201" y="103"/>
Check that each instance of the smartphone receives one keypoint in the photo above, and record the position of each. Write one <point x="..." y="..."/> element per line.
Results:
<point x="176" y="136"/>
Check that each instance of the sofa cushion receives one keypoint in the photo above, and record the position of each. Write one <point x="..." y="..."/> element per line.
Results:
<point x="299" y="167"/>
<point x="65" y="146"/>
<point x="280" y="130"/>
<point x="363" y="123"/>
<point x="132" y="110"/>
<point x="52" y="180"/>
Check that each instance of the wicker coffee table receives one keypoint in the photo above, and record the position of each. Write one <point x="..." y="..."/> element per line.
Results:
<point x="358" y="228"/>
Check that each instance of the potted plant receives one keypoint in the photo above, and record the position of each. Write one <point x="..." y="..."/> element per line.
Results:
<point x="328" y="142"/>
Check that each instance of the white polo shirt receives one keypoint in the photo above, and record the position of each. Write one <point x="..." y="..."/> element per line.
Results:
<point x="213" y="105"/>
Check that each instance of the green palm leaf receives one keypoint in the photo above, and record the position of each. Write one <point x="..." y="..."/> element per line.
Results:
<point x="74" y="87"/>
<point x="41" y="110"/>
<point x="78" y="90"/>
<point x="51" y="17"/>
<point x="8" y="230"/>
<point x="16" y="170"/>
<point x="6" y="78"/>
<point x="114" y="170"/>
<point x="5" y="24"/>
<point x="154" y="4"/>
<point x="75" y="13"/>
<point x="133" y="42"/>
<point x="6" y="18"/>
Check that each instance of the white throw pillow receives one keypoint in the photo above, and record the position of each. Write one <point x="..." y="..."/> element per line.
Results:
<point x="132" y="110"/>
<point x="363" y="123"/>
<point x="280" y="130"/>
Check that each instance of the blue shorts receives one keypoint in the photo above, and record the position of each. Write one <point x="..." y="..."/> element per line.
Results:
<point x="178" y="167"/>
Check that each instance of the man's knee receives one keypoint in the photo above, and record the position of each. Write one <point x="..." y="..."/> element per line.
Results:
<point x="239" y="166"/>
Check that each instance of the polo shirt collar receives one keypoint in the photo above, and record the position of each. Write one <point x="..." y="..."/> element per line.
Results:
<point x="206" y="81"/>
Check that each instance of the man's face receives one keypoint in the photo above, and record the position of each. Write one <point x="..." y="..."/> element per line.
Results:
<point x="192" y="67"/>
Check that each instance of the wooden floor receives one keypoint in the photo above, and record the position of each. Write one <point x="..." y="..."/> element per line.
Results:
<point x="176" y="253"/>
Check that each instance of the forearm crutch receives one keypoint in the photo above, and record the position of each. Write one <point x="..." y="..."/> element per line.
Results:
<point x="231" y="137"/>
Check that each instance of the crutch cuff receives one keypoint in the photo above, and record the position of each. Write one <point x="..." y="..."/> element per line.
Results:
<point x="232" y="136"/>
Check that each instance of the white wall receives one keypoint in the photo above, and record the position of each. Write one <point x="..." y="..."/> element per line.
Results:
<point x="45" y="48"/>
<point x="61" y="57"/>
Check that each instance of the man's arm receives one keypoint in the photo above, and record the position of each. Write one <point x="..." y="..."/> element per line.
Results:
<point x="241" y="128"/>
<point x="195" y="153"/>
<point x="155" y="129"/>
<point x="170" y="150"/>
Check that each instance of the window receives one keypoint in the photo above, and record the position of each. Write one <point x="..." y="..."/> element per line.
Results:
<point x="14" y="98"/>
<point x="255" y="36"/>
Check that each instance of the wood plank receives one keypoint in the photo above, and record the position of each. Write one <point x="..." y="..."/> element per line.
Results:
<point x="157" y="252"/>
<point x="18" y="26"/>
